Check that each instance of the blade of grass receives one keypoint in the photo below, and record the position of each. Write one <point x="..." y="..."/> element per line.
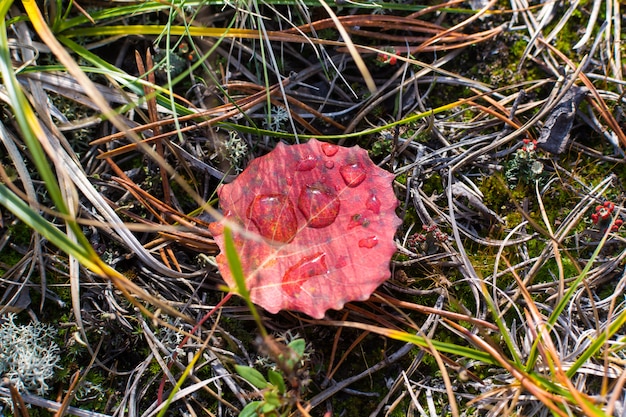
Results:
<point x="29" y="125"/>
<point x="451" y="348"/>
<point x="562" y="304"/>
<point x="367" y="77"/>
<point x="36" y="222"/>
<point x="234" y="264"/>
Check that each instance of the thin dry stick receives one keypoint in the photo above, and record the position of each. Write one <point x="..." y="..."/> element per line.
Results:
<point x="367" y="77"/>
<point x="354" y="344"/>
<point x="525" y="379"/>
<point x="553" y="240"/>
<point x="454" y="408"/>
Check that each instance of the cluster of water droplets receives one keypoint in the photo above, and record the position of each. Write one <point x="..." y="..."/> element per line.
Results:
<point x="274" y="215"/>
<point x="305" y="199"/>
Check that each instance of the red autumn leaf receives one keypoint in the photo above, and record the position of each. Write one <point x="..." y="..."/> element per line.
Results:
<point x="319" y="222"/>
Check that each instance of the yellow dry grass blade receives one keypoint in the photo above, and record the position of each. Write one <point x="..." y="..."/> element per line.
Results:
<point x="369" y="81"/>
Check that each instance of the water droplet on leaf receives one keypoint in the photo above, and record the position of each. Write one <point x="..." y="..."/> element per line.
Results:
<point x="329" y="164"/>
<point x="302" y="271"/>
<point x="373" y="204"/>
<point x="352" y="174"/>
<point x="274" y="216"/>
<point x="306" y="164"/>
<point x="319" y="205"/>
<point x="368" y="242"/>
<point x="329" y="149"/>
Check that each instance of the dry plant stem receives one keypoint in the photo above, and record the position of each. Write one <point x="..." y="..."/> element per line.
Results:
<point x="618" y="390"/>
<point x="381" y="22"/>
<point x="304" y="411"/>
<point x="186" y="338"/>
<point x="51" y="405"/>
<point x="584" y="402"/>
<point x="296" y="117"/>
<point x="429" y="328"/>
<point x="225" y="112"/>
<point x="610" y="318"/>
<point x="443" y="313"/>
<point x="159" y="209"/>
<point x="524" y="379"/>
<point x="19" y="407"/>
<point x="458" y="156"/>
<point x="46" y="134"/>
<point x="466" y="22"/>
<point x="382" y="94"/>
<point x="314" y="112"/>
<point x="553" y="240"/>
<point x="201" y="237"/>
<point x="154" y="117"/>
<point x="369" y="81"/>
<point x="10" y="144"/>
<point x="69" y="396"/>
<point x="471" y="155"/>
<point x="333" y="352"/>
<point x="535" y="321"/>
<point x="434" y="8"/>
<point x="76" y="175"/>
<point x="38" y="22"/>
<point x="545" y="254"/>
<point x="378" y="316"/>
<point x="454" y="408"/>
<point x="329" y="392"/>
<point x="333" y="370"/>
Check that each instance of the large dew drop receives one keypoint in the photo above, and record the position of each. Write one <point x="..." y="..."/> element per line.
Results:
<point x="319" y="205"/>
<point x="302" y="271"/>
<point x="352" y="174"/>
<point x="306" y="164"/>
<point x="329" y="149"/>
<point x="373" y="204"/>
<point x="274" y="216"/>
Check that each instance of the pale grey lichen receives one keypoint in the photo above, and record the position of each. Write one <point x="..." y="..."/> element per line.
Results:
<point x="235" y="151"/>
<point x="278" y="117"/>
<point x="28" y="355"/>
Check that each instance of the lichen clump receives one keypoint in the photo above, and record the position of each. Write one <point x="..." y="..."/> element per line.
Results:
<point x="28" y="355"/>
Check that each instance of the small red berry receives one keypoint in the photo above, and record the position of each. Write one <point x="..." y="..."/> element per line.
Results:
<point x="603" y="214"/>
<point x="594" y="218"/>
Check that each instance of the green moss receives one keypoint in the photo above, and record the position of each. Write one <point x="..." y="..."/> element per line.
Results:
<point x="433" y="184"/>
<point x="550" y="271"/>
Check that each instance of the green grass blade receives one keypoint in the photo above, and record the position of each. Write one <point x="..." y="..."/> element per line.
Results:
<point x="35" y="221"/>
<point x="28" y="122"/>
<point x="234" y="264"/>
